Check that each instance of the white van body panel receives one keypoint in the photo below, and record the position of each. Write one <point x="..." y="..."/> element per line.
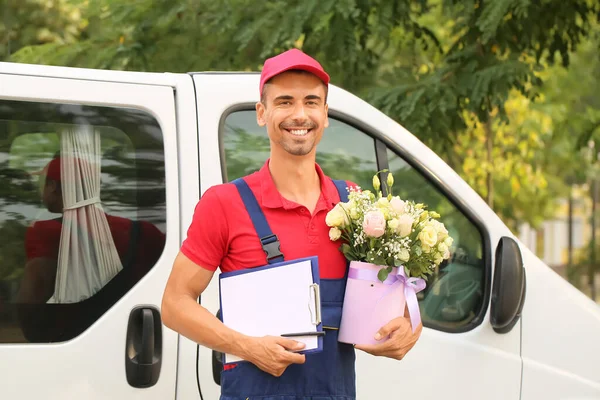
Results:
<point x="561" y="331"/>
<point x="92" y="366"/>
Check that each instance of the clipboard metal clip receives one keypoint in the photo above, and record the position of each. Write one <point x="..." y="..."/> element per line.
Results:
<point x="314" y="304"/>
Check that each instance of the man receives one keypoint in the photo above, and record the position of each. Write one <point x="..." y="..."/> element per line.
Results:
<point x="295" y="196"/>
<point x="42" y="241"/>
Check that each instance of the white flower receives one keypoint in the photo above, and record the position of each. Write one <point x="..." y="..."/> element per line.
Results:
<point x="438" y="258"/>
<point x="440" y="229"/>
<point x="442" y="248"/>
<point x="335" y="234"/>
<point x="405" y="224"/>
<point x="393" y="224"/>
<point x="398" y="205"/>
<point x="337" y="217"/>
<point x="448" y="241"/>
<point x="383" y="202"/>
<point x="428" y="236"/>
<point x="404" y="255"/>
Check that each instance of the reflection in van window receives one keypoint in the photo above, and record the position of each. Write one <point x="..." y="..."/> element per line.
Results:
<point x="454" y="294"/>
<point x="82" y="214"/>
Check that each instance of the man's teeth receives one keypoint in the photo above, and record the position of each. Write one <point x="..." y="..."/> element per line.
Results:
<point x="299" y="132"/>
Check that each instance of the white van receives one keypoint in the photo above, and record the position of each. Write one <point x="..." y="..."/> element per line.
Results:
<point x="164" y="140"/>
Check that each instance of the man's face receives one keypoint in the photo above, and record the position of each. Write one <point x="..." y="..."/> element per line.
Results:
<point x="294" y="112"/>
<point x="51" y="195"/>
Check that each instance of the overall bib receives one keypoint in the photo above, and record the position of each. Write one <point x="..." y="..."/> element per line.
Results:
<point x="327" y="375"/>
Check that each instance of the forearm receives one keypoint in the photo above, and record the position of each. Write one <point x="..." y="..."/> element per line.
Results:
<point x="184" y="315"/>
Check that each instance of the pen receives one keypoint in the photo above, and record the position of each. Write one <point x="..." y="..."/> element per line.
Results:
<point x="321" y="333"/>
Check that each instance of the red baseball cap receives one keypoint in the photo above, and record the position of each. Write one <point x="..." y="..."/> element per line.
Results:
<point x="291" y="59"/>
<point x="52" y="169"/>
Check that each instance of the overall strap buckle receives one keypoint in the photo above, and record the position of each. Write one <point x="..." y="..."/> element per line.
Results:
<point x="271" y="247"/>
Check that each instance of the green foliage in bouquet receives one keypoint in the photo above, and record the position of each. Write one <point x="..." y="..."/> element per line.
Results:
<point x="389" y="232"/>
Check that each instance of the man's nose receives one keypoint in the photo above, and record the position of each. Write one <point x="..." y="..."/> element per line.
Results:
<point x="299" y="113"/>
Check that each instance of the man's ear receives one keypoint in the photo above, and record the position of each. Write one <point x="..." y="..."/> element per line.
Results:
<point x="260" y="114"/>
<point x="326" y="125"/>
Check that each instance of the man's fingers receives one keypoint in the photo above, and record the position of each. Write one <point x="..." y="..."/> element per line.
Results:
<point x="296" y="358"/>
<point x="290" y="344"/>
<point x="374" y="349"/>
<point x="390" y="327"/>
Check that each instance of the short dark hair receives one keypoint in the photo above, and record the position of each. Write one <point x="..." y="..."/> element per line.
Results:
<point x="263" y="97"/>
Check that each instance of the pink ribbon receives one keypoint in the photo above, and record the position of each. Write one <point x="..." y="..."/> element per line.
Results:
<point x="412" y="286"/>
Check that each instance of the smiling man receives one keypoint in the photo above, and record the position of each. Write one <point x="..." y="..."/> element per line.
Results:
<point x="294" y="197"/>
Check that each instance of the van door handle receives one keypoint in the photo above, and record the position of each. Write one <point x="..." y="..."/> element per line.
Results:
<point x="143" y="349"/>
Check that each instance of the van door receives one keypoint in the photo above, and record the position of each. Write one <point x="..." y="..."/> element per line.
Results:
<point x="89" y="232"/>
<point x="459" y="355"/>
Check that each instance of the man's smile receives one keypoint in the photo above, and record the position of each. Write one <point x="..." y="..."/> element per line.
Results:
<point x="299" y="132"/>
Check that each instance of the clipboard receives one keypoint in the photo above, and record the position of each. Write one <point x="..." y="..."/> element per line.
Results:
<point x="280" y="299"/>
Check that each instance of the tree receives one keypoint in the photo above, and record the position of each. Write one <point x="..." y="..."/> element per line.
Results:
<point x="523" y="190"/>
<point x="36" y="22"/>
<point x="444" y="69"/>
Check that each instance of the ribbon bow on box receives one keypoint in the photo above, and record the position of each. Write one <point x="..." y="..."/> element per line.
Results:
<point x="412" y="286"/>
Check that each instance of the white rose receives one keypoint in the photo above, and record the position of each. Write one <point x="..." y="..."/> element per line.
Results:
<point x="440" y="229"/>
<point x="393" y="224"/>
<point x="448" y="241"/>
<point x="405" y="224"/>
<point x="442" y="248"/>
<point x="398" y="205"/>
<point x="438" y="259"/>
<point x="404" y="255"/>
<point x="337" y="217"/>
<point x="335" y="234"/>
<point x="383" y="202"/>
<point x="428" y="236"/>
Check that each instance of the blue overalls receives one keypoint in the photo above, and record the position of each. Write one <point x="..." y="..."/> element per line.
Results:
<point x="328" y="375"/>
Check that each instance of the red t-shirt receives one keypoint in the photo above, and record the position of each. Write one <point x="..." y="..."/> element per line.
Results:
<point x="43" y="240"/>
<point x="222" y="234"/>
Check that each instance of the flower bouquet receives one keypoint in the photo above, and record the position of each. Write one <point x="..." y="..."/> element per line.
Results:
<point x="393" y="246"/>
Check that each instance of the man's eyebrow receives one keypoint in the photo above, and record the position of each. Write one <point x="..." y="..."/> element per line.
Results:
<point x="313" y="97"/>
<point x="284" y="97"/>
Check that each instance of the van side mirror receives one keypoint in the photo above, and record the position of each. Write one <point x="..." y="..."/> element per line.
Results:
<point x="508" y="292"/>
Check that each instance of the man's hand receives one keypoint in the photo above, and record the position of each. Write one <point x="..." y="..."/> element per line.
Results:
<point x="401" y="339"/>
<point x="274" y="354"/>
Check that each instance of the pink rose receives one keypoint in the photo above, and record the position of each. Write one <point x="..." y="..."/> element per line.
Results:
<point x="374" y="223"/>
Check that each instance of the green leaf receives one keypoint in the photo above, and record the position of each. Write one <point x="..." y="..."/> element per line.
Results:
<point x="417" y="250"/>
<point x="383" y="274"/>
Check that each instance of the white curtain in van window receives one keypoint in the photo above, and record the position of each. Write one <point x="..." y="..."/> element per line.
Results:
<point x="88" y="258"/>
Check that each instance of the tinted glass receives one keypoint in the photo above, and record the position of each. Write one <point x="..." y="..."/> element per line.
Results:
<point x="131" y="201"/>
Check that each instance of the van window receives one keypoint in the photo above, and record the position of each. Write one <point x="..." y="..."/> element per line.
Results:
<point x="82" y="214"/>
<point x="454" y="295"/>
<point x="343" y="153"/>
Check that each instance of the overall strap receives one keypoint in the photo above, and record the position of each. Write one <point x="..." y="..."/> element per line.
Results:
<point x="341" y="188"/>
<point x="269" y="241"/>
